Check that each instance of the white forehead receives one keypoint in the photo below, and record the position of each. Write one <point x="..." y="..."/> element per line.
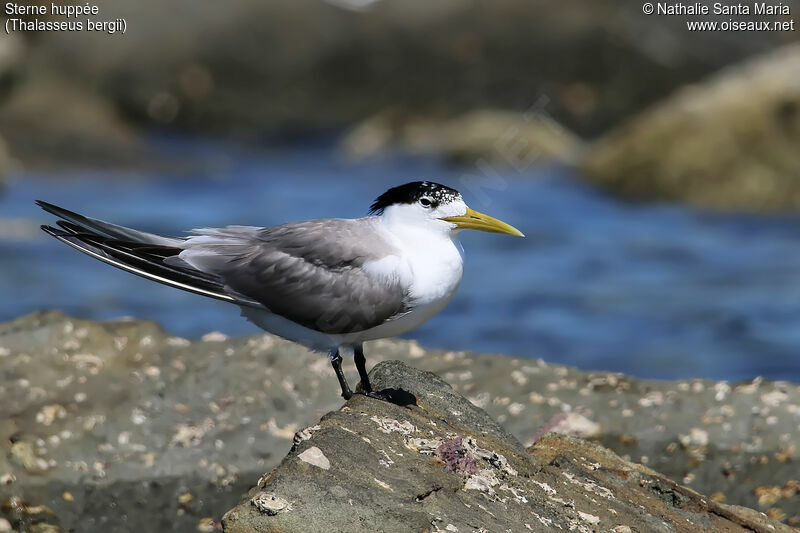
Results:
<point x="455" y="207"/>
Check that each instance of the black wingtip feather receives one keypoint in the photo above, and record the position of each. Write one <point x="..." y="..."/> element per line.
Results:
<point x="49" y="230"/>
<point x="46" y="205"/>
<point x="141" y="258"/>
<point x="59" y="211"/>
<point x="50" y="208"/>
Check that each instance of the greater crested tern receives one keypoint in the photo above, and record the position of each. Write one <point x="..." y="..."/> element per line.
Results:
<point x="325" y="284"/>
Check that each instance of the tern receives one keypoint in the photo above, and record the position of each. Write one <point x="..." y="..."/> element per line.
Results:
<point x="326" y="284"/>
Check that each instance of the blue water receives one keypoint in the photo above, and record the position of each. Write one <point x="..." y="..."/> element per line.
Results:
<point x="657" y="291"/>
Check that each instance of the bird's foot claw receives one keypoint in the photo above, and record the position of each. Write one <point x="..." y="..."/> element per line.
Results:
<point x="385" y="395"/>
<point x="395" y="396"/>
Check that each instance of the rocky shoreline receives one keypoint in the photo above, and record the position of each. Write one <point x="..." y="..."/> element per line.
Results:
<point x="439" y="463"/>
<point x="121" y="424"/>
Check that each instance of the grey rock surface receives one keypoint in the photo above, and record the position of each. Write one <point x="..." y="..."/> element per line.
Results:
<point x="729" y="142"/>
<point x="441" y="464"/>
<point x="120" y="426"/>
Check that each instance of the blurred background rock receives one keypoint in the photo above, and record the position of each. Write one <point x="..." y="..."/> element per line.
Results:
<point x="729" y="143"/>
<point x="260" y="69"/>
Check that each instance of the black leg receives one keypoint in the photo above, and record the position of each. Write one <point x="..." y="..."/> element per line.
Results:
<point x="361" y="362"/>
<point x="336" y="363"/>
<point x="366" y="386"/>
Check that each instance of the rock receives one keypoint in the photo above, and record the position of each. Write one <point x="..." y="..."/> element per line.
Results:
<point x="12" y="52"/>
<point x="6" y="163"/>
<point x="699" y="432"/>
<point x="139" y="428"/>
<point x="12" y="55"/>
<point x="727" y="143"/>
<point x="125" y="427"/>
<point x="311" y="64"/>
<point x="438" y="463"/>
<point x="516" y="139"/>
<point x="50" y="121"/>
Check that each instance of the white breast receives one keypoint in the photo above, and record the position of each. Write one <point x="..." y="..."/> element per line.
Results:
<point x="437" y="268"/>
<point x="430" y="264"/>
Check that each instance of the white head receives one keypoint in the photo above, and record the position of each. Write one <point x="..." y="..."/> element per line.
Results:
<point x="434" y="207"/>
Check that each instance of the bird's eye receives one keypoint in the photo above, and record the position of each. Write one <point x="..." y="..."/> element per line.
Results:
<point x="425" y="202"/>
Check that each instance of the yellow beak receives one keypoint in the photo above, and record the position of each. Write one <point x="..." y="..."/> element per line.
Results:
<point x="479" y="221"/>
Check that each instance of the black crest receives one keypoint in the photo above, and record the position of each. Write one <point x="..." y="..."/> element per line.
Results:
<point x="411" y="193"/>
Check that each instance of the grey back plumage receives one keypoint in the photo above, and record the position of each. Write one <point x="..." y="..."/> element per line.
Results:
<point x="309" y="272"/>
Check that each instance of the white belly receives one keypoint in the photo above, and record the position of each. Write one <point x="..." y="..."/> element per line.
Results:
<point x="433" y="270"/>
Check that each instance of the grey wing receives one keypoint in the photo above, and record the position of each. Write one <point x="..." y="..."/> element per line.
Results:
<point x="309" y="272"/>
